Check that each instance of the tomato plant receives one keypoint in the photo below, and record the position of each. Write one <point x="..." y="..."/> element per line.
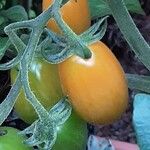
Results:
<point x="72" y="135"/>
<point x="75" y="13"/>
<point x="97" y="86"/>
<point x="10" y="139"/>
<point x="44" y="82"/>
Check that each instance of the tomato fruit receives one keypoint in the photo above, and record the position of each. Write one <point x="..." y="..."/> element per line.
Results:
<point x="10" y="139"/>
<point x="72" y="135"/>
<point x="44" y="81"/>
<point x="97" y="86"/>
<point x="45" y="84"/>
<point x="75" y="13"/>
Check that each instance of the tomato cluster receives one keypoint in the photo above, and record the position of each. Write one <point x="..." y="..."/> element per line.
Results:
<point x="96" y="87"/>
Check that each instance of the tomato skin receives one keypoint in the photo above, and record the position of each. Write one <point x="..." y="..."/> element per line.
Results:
<point x="72" y="135"/>
<point x="96" y="87"/>
<point x="12" y="140"/>
<point x="45" y="84"/>
<point x="75" y="13"/>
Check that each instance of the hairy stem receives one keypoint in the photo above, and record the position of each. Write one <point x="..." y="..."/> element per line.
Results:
<point x="130" y="31"/>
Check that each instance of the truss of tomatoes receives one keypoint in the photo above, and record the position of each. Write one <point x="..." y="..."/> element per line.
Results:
<point x="96" y="87"/>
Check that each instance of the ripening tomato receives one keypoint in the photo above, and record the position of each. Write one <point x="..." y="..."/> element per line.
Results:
<point x="75" y="13"/>
<point x="97" y="86"/>
<point x="45" y="84"/>
<point x="11" y="140"/>
<point x="72" y="135"/>
<point x="44" y="81"/>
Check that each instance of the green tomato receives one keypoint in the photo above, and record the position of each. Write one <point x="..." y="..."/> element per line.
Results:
<point x="72" y="135"/>
<point x="44" y="82"/>
<point x="11" y="140"/>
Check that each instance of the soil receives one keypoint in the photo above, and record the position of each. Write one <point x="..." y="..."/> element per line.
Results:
<point x="122" y="129"/>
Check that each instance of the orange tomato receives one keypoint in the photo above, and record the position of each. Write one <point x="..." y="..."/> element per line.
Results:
<point x="75" y="13"/>
<point x="96" y="87"/>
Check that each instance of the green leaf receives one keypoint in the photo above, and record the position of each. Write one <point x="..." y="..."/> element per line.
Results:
<point x="2" y="3"/>
<point x="3" y="46"/>
<point x="134" y="6"/>
<point x="139" y="82"/>
<point x="16" y="13"/>
<point x="99" y="8"/>
<point x="141" y="120"/>
<point x="2" y="20"/>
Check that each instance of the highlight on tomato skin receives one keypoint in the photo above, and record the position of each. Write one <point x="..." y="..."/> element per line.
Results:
<point x="75" y="13"/>
<point x="97" y="87"/>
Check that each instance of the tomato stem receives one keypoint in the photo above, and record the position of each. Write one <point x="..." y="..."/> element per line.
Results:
<point x="73" y="39"/>
<point x="130" y="31"/>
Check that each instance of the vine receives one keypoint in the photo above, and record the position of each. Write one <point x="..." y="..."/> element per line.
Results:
<point x="130" y="31"/>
